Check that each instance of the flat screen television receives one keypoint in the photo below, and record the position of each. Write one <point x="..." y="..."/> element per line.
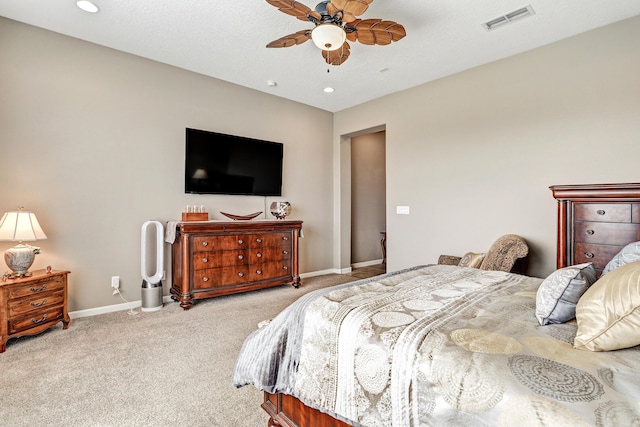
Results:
<point x="216" y="163"/>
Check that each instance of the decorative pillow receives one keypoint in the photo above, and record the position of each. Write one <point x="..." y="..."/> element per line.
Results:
<point x="608" y="314"/>
<point x="471" y="259"/>
<point x="559" y="293"/>
<point x="629" y="253"/>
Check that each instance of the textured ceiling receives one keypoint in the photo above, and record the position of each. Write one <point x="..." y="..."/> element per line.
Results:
<point x="226" y="39"/>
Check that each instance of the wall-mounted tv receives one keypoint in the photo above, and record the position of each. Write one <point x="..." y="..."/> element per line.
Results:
<point x="216" y="163"/>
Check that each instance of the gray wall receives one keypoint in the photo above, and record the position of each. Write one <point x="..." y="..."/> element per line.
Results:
<point x="93" y="143"/>
<point x="368" y="213"/>
<point x="473" y="154"/>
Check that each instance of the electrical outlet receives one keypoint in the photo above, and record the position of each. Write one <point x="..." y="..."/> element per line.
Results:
<point x="115" y="282"/>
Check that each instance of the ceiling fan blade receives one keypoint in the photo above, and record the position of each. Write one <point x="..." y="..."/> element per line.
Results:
<point x="338" y="56"/>
<point x="350" y="8"/>
<point x="377" y="31"/>
<point x="294" y="8"/>
<point x="298" y="37"/>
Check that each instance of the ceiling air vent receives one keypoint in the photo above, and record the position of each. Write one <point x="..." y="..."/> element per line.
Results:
<point x="508" y="18"/>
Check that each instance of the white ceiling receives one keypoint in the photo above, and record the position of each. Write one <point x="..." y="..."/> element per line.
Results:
<point x="226" y="39"/>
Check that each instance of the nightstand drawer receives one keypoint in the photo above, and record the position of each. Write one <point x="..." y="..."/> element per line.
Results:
<point x="54" y="283"/>
<point x="40" y="302"/>
<point x="43" y="317"/>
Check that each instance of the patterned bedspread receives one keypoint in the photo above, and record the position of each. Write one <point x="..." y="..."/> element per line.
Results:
<point x="439" y="345"/>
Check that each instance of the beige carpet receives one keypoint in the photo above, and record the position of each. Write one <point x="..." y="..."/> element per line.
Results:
<point x="166" y="368"/>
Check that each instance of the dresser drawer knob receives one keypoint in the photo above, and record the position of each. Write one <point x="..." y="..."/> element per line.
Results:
<point x="241" y="274"/>
<point x="36" y="321"/>
<point x="590" y="232"/>
<point x="259" y="255"/>
<point x="39" y="304"/>
<point x="259" y="272"/>
<point x="36" y="290"/>
<point x="205" y="259"/>
<point x="205" y="243"/>
<point x="600" y="212"/>
<point x="284" y="267"/>
<point x="240" y="241"/>
<point x="205" y="279"/>
<point x="285" y="238"/>
<point x="589" y="255"/>
<point x="285" y="252"/>
<point x="240" y="256"/>
<point x="259" y="240"/>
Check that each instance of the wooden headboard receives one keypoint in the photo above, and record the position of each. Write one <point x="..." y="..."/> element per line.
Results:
<point x="596" y="221"/>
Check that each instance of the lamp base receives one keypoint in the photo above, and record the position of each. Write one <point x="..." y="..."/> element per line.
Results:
<point x="19" y="258"/>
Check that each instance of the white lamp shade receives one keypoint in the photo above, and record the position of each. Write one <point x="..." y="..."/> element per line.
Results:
<point x="328" y="36"/>
<point x="20" y="226"/>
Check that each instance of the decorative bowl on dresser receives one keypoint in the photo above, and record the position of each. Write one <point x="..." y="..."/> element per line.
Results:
<point x="31" y="304"/>
<point x="213" y="258"/>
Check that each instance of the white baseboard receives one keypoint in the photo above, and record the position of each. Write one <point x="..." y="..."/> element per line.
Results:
<point x="367" y="263"/>
<point x="167" y="298"/>
<point x="112" y="308"/>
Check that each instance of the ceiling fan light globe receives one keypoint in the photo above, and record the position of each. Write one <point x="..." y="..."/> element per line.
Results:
<point x="328" y="36"/>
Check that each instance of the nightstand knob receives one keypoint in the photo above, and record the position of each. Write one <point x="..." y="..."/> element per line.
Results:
<point x="600" y="212"/>
<point x="285" y="252"/>
<point x="240" y="241"/>
<point x="259" y="271"/>
<point x="589" y="255"/>
<point x="240" y="256"/>
<point x="205" y="259"/>
<point x="205" y="243"/>
<point x="259" y="255"/>
<point x="205" y="279"/>
<point x="590" y="232"/>
<point x="32" y="289"/>
<point x="259" y="240"/>
<point x="241" y="274"/>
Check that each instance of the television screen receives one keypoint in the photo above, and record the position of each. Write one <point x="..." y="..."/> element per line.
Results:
<point x="216" y="163"/>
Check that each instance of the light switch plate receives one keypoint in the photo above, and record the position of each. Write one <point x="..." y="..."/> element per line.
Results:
<point x="402" y="210"/>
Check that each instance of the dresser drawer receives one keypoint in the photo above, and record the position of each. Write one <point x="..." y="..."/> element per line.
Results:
<point x="599" y="255"/>
<point x="43" y="317"/>
<point x="55" y="283"/>
<point x="212" y="277"/>
<point x="603" y="212"/>
<point x="270" y="239"/>
<point x="39" y="302"/>
<point x="214" y="259"/>
<point x="607" y="233"/>
<point x="214" y="242"/>
<point x="267" y="254"/>
<point x="270" y="270"/>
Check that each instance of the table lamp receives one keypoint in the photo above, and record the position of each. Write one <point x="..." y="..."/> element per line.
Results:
<point x="20" y="226"/>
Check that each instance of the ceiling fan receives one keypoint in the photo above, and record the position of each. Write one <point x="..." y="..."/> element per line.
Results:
<point x="335" y="23"/>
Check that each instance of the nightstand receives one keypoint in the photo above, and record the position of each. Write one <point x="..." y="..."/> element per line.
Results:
<point x="30" y="305"/>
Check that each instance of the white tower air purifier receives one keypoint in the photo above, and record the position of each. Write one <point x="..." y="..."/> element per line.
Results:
<point x="152" y="284"/>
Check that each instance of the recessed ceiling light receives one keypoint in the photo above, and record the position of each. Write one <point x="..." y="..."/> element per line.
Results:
<point x="87" y="6"/>
<point x="328" y="89"/>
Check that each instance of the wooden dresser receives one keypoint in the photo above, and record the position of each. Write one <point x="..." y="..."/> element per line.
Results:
<point x="213" y="258"/>
<point x="29" y="305"/>
<point x="596" y="221"/>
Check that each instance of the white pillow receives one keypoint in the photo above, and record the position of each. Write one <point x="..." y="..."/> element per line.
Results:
<point x="629" y="253"/>
<point x="608" y="314"/>
<point x="559" y="293"/>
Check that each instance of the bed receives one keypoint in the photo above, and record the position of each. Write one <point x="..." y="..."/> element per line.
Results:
<point x="448" y="345"/>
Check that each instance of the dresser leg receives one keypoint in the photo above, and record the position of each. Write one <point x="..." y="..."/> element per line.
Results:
<point x="296" y="282"/>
